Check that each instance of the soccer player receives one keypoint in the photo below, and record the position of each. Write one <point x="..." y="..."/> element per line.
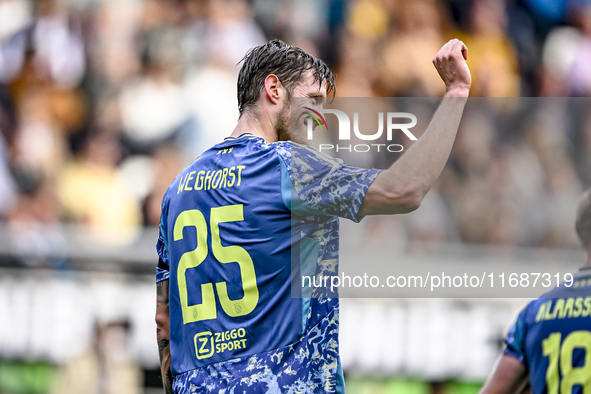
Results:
<point x="549" y="345"/>
<point x="226" y="318"/>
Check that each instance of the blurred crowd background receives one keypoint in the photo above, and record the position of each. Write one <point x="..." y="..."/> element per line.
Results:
<point x="103" y="102"/>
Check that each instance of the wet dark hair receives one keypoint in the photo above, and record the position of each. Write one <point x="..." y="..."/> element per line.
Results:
<point x="287" y="62"/>
<point x="583" y="224"/>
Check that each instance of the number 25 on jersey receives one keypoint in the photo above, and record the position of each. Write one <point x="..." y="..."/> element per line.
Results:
<point x="224" y="254"/>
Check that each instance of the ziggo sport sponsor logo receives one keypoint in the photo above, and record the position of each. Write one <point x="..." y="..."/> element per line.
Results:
<point x="392" y="124"/>
<point x="207" y="343"/>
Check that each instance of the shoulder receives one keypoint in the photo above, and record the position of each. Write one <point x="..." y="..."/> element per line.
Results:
<point x="530" y="311"/>
<point x="175" y="182"/>
<point x="303" y="157"/>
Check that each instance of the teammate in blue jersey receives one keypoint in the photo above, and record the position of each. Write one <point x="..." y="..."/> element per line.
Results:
<point x="233" y="220"/>
<point x="549" y="345"/>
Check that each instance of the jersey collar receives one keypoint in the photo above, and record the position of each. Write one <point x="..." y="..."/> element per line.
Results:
<point x="584" y="272"/>
<point x="245" y="135"/>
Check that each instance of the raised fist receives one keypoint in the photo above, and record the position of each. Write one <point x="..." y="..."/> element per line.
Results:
<point x="450" y="63"/>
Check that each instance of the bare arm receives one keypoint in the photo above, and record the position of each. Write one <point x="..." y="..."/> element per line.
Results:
<point x="403" y="186"/>
<point x="163" y="334"/>
<point x="509" y="377"/>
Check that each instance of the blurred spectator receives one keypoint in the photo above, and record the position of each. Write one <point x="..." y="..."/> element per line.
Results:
<point x="579" y="70"/>
<point x="232" y="31"/>
<point x="107" y="368"/>
<point x="210" y="85"/>
<point x="152" y="107"/>
<point x="356" y="76"/>
<point x="58" y="43"/>
<point x="474" y="146"/>
<point x="36" y="230"/>
<point x="39" y="146"/>
<point x="491" y="57"/>
<point x="55" y="37"/>
<point x="559" y="54"/>
<point x="113" y="45"/>
<point x="7" y="186"/>
<point x="167" y="166"/>
<point x="93" y="192"/>
<point x="431" y="225"/>
<point x="405" y="64"/>
<point x="582" y="143"/>
<point x="563" y="191"/>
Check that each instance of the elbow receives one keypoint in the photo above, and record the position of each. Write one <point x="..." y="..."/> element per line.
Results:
<point x="414" y="204"/>
<point x="397" y="201"/>
<point x="410" y="204"/>
<point x="162" y="324"/>
<point x="388" y="199"/>
<point x="405" y="200"/>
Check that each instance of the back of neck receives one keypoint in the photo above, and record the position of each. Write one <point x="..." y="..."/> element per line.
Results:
<point x="251" y="124"/>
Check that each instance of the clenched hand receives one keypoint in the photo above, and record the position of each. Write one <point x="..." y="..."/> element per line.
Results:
<point x="450" y="63"/>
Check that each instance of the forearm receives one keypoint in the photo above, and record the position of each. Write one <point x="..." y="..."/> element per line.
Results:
<point x="509" y="377"/>
<point x="163" y="334"/>
<point x="403" y="186"/>
<point x="423" y="162"/>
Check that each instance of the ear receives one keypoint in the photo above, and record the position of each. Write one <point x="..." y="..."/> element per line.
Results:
<point x="273" y="88"/>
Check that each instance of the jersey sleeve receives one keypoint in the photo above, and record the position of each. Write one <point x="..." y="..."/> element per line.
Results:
<point x="515" y="340"/>
<point x="316" y="184"/>
<point x="163" y="268"/>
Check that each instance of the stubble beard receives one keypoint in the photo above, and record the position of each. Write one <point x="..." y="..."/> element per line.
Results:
<point x="283" y="128"/>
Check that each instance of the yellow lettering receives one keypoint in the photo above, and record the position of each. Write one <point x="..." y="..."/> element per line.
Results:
<point x="216" y="179"/>
<point x="199" y="180"/>
<point x="224" y="174"/>
<point x="182" y="182"/>
<point x="237" y="344"/>
<point x="551" y="313"/>
<point x="231" y="173"/>
<point x="558" y="307"/>
<point x="207" y="181"/>
<point x="568" y="308"/>
<point x="240" y="168"/>
<point x="542" y="311"/>
<point x="578" y="307"/>
<point x="587" y="308"/>
<point x="189" y="178"/>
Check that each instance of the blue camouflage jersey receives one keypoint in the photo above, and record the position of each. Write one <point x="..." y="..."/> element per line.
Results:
<point x="239" y="226"/>
<point x="552" y="338"/>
